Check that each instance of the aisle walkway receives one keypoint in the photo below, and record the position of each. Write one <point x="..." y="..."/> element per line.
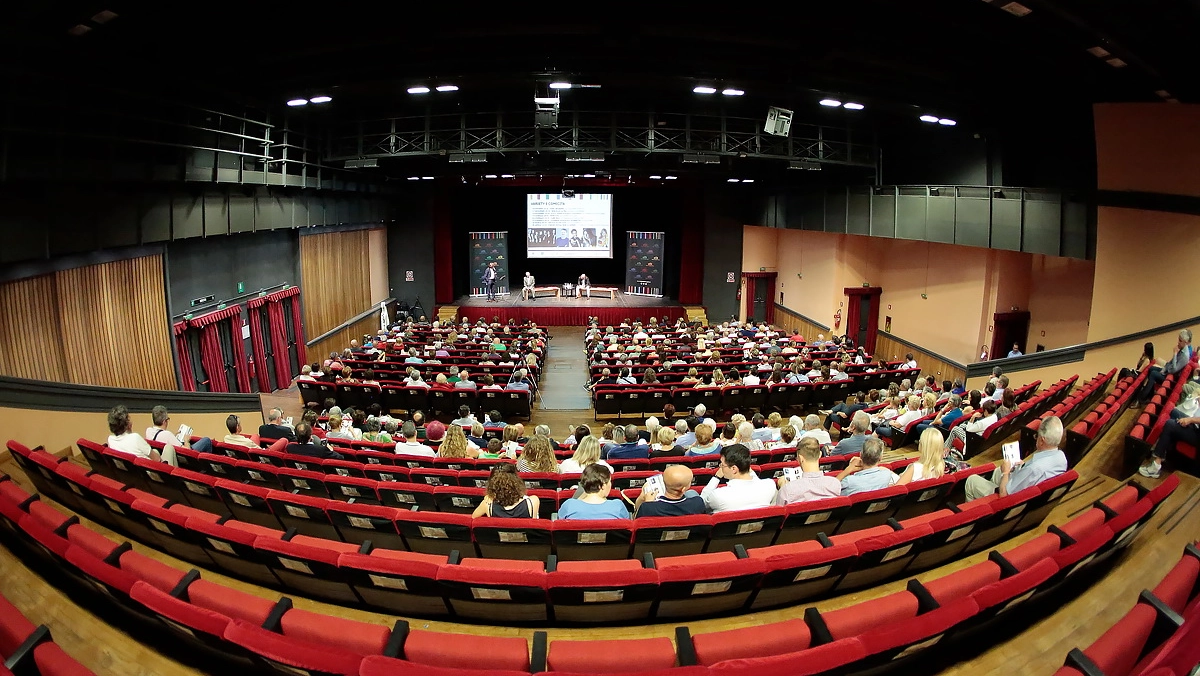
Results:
<point x="563" y="377"/>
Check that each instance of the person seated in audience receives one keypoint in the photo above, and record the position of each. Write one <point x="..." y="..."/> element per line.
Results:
<point x="787" y="437"/>
<point x="235" y="436"/>
<point x="413" y="357"/>
<point x="945" y="418"/>
<point x="1007" y="404"/>
<point x="489" y="383"/>
<point x="341" y="426"/>
<point x="664" y="445"/>
<point x="587" y="452"/>
<point x="464" y="381"/>
<point x="453" y="441"/>
<point x="374" y="432"/>
<point x="305" y="374"/>
<point x="414" y="380"/>
<point x="625" y="377"/>
<point x="893" y="408"/>
<point x="958" y="387"/>
<point x="519" y="381"/>
<point x="863" y="473"/>
<point x="909" y="362"/>
<point x="1001" y="386"/>
<point x="158" y="431"/>
<point x="578" y="434"/>
<point x="411" y="445"/>
<point x="704" y="444"/>
<point x="476" y="437"/>
<point x="912" y="412"/>
<point x="627" y="445"/>
<point x="596" y="483"/>
<point x="122" y="438"/>
<point x="537" y="456"/>
<point x="466" y="418"/>
<point x="1046" y="462"/>
<point x="510" y="440"/>
<point x="684" y="431"/>
<point x="276" y="427"/>
<point x="931" y="464"/>
<point x="677" y="499"/>
<point x="981" y="419"/>
<point x="692" y="377"/>
<point x="841" y="413"/>
<point x="860" y="424"/>
<point x="304" y="445"/>
<point x="811" y="428"/>
<point x="766" y="429"/>
<point x="1015" y="351"/>
<point x="727" y="435"/>
<point x="505" y="497"/>
<point x="1156" y="376"/>
<point x="649" y="434"/>
<point x="440" y="382"/>
<point x="812" y="484"/>
<point x="742" y="489"/>
<point x="1188" y="405"/>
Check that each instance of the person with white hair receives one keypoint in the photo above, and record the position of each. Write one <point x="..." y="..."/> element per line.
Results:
<point x="1046" y="462"/>
<point x="1182" y="355"/>
<point x="860" y="424"/>
<point x="651" y="432"/>
<point x="812" y="428"/>
<point x="700" y="410"/>
<point x="684" y="436"/>
<point x="745" y="435"/>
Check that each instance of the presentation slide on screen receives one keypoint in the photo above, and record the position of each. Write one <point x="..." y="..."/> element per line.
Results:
<point x="562" y="226"/>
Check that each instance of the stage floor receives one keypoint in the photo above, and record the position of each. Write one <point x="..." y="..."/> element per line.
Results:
<point x="619" y="300"/>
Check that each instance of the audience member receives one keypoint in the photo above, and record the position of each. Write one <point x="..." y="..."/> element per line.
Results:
<point x="537" y="456"/>
<point x="860" y="424"/>
<point x="276" y="427"/>
<point x="122" y="438"/>
<point x="705" y="444"/>
<point x="587" y="453"/>
<point x="1046" y="462"/>
<point x="742" y="489"/>
<point x="411" y="445"/>
<point x="932" y="463"/>
<point x="235" y="437"/>
<point x="677" y="498"/>
<point x="812" y="484"/>
<point x="304" y="445"/>
<point x="596" y="483"/>
<point x="505" y="497"/>
<point x="863" y="473"/>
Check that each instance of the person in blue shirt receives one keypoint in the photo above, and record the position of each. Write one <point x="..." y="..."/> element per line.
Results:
<point x="1045" y="462"/>
<point x="596" y="482"/>
<point x="1016" y="351"/>
<point x="629" y="446"/>
<point x="863" y="473"/>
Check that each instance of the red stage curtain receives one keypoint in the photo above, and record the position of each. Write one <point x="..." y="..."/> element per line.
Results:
<point x="211" y="356"/>
<point x="853" y="310"/>
<point x="691" y="264"/>
<point x="572" y="316"/>
<point x="748" y="296"/>
<point x="241" y="365"/>
<point x="276" y="336"/>
<point x="262" y="375"/>
<point x="298" y="331"/>
<point x="443" y="266"/>
<point x="872" y="330"/>
<point x="187" y="378"/>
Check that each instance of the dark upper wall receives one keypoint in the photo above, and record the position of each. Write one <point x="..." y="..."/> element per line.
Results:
<point x="724" y="216"/>
<point x="410" y="247"/>
<point x="214" y="266"/>
<point x="930" y="153"/>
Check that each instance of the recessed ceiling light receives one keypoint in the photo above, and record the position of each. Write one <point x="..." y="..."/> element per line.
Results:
<point x="447" y="88"/>
<point x="560" y="85"/>
<point x="853" y="106"/>
<point x="320" y="99"/>
<point x="104" y="16"/>
<point x="418" y="90"/>
<point x="1099" y="52"/>
<point x="947" y="122"/>
<point x="1016" y="9"/>
<point x="414" y="178"/>
<point x="704" y="90"/>
<point x="831" y="103"/>
<point x="929" y="118"/>
<point x="1172" y="100"/>
<point x="1163" y="93"/>
<point x="490" y="176"/>
<point x="731" y="180"/>
<point x="1116" y="63"/>
<point x="506" y="176"/>
<point x="79" y="29"/>
<point x="297" y="102"/>
<point x="732" y="92"/>
<point x="656" y="178"/>
<point x="672" y="178"/>
<point x="747" y="180"/>
<point x="589" y="176"/>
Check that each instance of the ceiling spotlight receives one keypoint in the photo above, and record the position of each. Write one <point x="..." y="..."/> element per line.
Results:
<point x="560" y="85"/>
<point x="704" y="90"/>
<point x="320" y="99"/>
<point x="507" y="176"/>
<point x="426" y="178"/>
<point x="929" y="118"/>
<point x="589" y="176"/>
<point x="731" y="180"/>
<point x="853" y="106"/>
<point x="414" y="178"/>
<point x="418" y="90"/>
<point x="447" y="88"/>
<point x="831" y="103"/>
<point x="656" y="178"/>
<point x="671" y="178"/>
<point x="947" y="122"/>
<point x="297" y="102"/>
<point x="732" y="92"/>
<point x="490" y="176"/>
<point x="747" y="180"/>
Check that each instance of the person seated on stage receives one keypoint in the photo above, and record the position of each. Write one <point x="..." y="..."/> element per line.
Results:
<point x="583" y="287"/>
<point x="527" y="284"/>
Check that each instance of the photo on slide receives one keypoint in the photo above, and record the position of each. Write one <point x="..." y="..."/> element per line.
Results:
<point x="568" y="226"/>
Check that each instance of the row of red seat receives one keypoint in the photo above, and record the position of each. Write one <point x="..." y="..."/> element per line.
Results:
<point x="26" y="649"/>
<point x="274" y="636"/>
<point x="1154" y="417"/>
<point x="1067" y="409"/>
<point x="394" y="396"/>
<point x="1084" y="434"/>
<point x="429" y="580"/>
<point x="1032" y="407"/>
<point x="1160" y="636"/>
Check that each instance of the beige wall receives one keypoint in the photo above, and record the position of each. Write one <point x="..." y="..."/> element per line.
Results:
<point x="1150" y="147"/>
<point x="1060" y="301"/>
<point x="58" y="430"/>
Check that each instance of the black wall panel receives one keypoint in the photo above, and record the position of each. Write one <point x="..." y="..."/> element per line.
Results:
<point x="1075" y="229"/>
<point x="116" y="219"/>
<point x="972" y="216"/>
<point x="1006" y="223"/>
<point x="883" y="214"/>
<point x="722" y="255"/>
<point x="812" y="211"/>
<point x="910" y="216"/>
<point x="216" y="214"/>
<point x="1043" y="227"/>
<point x="410" y="247"/>
<point x="156" y="219"/>
<point x="241" y="213"/>
<point x="269" y="212"/>
<point x="939" y="225"/>
<point x="187" y="216"/>
<point x="858" y="212"/>
<point x="214" y="265"/>
<point x="835" y="210"/>
<point x="71" y="219"/>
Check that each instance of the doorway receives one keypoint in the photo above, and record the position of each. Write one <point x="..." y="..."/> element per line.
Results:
<point x="760" y="294"/>
<point x="862" y="315"/>
<point x="1009" y="328"/>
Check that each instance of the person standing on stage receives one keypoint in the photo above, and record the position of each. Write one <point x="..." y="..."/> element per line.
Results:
<point x="527" y="287"/>
<point x="489" y="282"/>
<point x="584" y="287"/>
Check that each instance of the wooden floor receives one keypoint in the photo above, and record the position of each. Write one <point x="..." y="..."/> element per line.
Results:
<point x="1039" y="649"/>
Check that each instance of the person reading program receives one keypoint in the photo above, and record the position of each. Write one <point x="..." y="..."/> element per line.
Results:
<point x="583" y="287"/>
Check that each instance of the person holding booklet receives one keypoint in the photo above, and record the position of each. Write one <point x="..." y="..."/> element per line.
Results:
<point x="669" y="494"/>
<point x="1014" y="474"/>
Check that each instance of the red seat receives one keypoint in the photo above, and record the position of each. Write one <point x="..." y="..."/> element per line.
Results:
<point x="611" y="656"/>
<point x="186" y="621"/>
<point x="247" y="502"/>
<point x="485" y="588"/>
<point x="358" y="523"/>
<point x="14" y="628"/>
<point x="487" y="653"/>
<point x="358" y="489"/>
<point x="305" y="513"/>
<point x="761" y="641"/>
<point x="803" y="520"/>
<point x="309" y="566"/>
<point x="284" y="654"/>
<point x="1182" y="584"/>
<point x="747" y="527"/>
<point x="670" y="536"/>
<point x="404" y="495"/>
<point x="361" y="638"/>
<point x="881" y="555"/>
<point x="436" y="532"/>
<point x="231" y="547"/>
<point x="867" y="616"/>
<point x="799" y="571"/>
<point x="588" y="540"/>
<point x="396" y="582"/>
<point x="231" y="603"/>
<point x="602" y="591"/>
<point x="701" y="584"/>
<point x="1118" y="649"/>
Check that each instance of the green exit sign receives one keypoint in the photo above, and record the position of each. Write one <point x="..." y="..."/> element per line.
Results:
<point x="762" y="269"/>
<point x="241" y="287"/>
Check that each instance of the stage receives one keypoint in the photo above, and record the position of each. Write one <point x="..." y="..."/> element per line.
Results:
<point x="549" y="310"/>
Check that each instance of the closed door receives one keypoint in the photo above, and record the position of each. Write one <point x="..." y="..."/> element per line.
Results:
<point x="761" y="297"/>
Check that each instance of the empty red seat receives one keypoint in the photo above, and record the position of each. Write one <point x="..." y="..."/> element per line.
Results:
<point x="487" y="653"/>
<point x="281" y="653"/>
<point x="602" y="591"/>
<point x="397" y="582"/>
<point x="487" y="588"/>
<point x="611" y="656"/>
<point x="761" y="641"/>
<point x="705" y="583"/>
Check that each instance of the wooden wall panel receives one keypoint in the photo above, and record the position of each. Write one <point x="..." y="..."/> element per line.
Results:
<point x="102" y="324"/>
<point x="339" y="341"/>
<point x="115" y="316"/>
<point x="30" y="333"/>
<point x="789" y="321"/>
<point x="891" y="349"/>
<point x="335" y="275"/>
